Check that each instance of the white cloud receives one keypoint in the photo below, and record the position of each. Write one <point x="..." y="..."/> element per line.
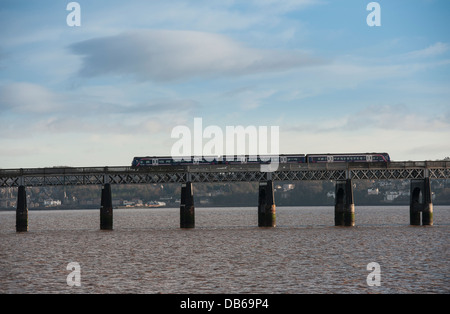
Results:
<point x="28" y="98"/>
<point x="434" y="50"/>
<point x="398" y="117"/>
<point x="420" y="144"/>
<point x="248" y="98"/>
<point x="216" y="16"/>
<point x="41" y="112"/>
<point x="379" y="117"/>
<point x="282" y="6"/>
<point x="164" y="55"/>
<point x="400" y="130"/>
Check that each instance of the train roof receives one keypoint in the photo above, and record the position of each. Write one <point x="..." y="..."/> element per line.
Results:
<point x="346" y="154"/>
<point x="177" y="157"/>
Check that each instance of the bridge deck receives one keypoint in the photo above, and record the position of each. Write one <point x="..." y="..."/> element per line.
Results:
<point x="223" y="173"/>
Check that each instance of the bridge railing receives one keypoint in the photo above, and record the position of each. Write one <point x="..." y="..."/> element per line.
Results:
<point x="222" y="173"/>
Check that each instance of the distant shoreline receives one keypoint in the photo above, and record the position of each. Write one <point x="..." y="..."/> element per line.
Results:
<point x="211" y="206"/>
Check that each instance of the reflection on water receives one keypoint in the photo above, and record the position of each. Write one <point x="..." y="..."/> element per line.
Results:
<point x="147" y="252"/>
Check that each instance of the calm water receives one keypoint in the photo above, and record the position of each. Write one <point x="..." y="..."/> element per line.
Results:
<point x="147" y="252"/>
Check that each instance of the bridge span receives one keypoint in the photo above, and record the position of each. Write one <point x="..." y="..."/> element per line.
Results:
<point x="419" y="172"/>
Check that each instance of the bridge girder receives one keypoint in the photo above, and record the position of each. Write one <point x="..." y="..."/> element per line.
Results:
<point x="238" y="173"/>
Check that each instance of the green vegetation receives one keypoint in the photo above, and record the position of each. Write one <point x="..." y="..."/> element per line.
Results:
<point x="303" y="193"/>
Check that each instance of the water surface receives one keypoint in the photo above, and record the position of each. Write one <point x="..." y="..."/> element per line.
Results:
<point x="147" y="252"/>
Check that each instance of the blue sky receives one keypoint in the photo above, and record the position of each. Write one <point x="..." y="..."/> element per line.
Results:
<point x="115" y="87"/>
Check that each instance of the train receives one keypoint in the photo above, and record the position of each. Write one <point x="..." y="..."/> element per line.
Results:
<point x="281" y="159"/>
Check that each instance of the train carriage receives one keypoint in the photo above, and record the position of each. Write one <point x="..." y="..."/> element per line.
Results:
<point x="340" y="158"/>
<point x="282" y="159"/>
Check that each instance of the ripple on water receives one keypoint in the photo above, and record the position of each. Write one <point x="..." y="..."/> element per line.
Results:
<point x="226" y="253"/>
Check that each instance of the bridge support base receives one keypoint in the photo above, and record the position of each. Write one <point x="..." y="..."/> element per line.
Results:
<point x="266" y="205"/>
<point x="421" y="203"/>
<point x="344" y="208"/>
<point x="106" y="208"/>
<point x="22" y="210"/>
<point x="187" y="209"/>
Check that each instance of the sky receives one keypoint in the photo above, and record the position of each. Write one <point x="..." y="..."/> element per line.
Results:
<point x="116" y="86"/>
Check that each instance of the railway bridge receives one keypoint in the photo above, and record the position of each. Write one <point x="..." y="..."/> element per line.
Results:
<point x="343" y="174"/>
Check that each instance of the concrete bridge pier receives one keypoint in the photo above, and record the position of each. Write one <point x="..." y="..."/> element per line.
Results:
<point x="22" y="210"/>
<point x="187" y="208"/>
<point x="344" y="208"/>
<point x="106" y="208"/>
<point x="266" y="205"/>
<point x="421" y="203"/>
